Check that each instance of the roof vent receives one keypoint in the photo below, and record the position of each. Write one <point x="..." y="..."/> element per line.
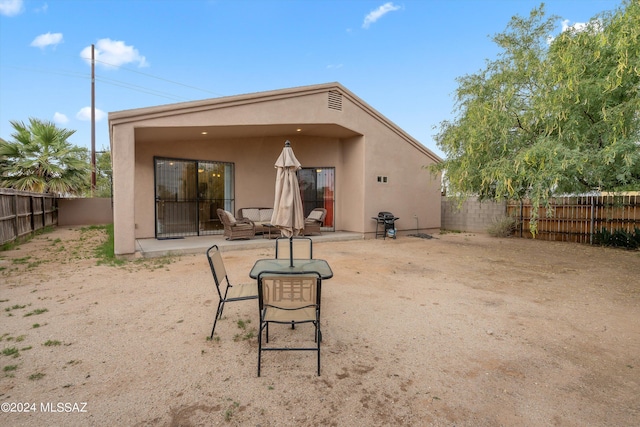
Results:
<point x="335" y="100"/>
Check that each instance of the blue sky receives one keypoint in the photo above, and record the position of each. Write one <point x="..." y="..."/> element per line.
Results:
<point x="401" y="57"/>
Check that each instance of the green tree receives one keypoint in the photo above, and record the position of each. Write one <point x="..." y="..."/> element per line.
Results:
<point x="103" y="174"/>
<point x="42" y="160"/>
<point x="549" y="116"/>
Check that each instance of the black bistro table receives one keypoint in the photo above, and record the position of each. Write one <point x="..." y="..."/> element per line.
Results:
<point x="283" y="266"/>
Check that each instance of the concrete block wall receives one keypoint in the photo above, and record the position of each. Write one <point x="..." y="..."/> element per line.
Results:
<point x="473" y="215"/>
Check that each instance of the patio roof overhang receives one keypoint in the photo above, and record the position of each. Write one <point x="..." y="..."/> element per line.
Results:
<point x="206" y="133"/>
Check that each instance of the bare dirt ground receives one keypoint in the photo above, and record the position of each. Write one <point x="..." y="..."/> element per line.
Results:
<point x="459" y="330"/>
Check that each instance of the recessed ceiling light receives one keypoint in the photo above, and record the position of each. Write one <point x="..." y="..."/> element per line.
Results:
<point x="298" y="130"/>
<point x="204" y="133"/>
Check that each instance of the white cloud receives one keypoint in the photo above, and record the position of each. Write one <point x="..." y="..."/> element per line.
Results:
<point x="374" y="15"/>
<point x="594" y="25"/>
<point x="578" y="26"/>
<point x="85" y="114"/>
<point x="10" y="7"/>
<point x="44" y="40"/>
<point x="60" y="118"/>
<point x="334" y="66"/>
<point x="111" y="53"/>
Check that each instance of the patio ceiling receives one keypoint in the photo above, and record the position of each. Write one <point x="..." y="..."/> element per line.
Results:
<point x="204" y="133"/>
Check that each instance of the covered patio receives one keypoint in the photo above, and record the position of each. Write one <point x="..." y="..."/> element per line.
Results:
<point x="153" y="248"/>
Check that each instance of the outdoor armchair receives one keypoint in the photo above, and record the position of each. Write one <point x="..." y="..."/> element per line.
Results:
<point x="226" y="291"/>
<point x="291" y="298"/>
<point x="314" y="221"/>
<point x="236" y="228"/>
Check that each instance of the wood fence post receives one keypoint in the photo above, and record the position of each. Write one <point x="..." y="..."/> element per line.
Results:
<point x="44" y="219"/>
<point x="521" y="216"/>
<point x="32" y="218"/>
<point x="592" y="219"/>
<point x="15" y="215"/>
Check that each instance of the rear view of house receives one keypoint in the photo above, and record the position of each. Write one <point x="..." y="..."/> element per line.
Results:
<point x="175" y="165"/>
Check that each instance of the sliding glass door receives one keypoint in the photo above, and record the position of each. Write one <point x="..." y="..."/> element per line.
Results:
<point x="187" y="194"/>
<point x="215" y="191"/>
<point x="317" y="188"/>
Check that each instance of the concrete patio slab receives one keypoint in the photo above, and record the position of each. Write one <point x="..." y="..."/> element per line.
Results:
<point x="152" y="248"/>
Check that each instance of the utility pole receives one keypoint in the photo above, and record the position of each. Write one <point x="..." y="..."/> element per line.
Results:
<point x="93" y="121"/>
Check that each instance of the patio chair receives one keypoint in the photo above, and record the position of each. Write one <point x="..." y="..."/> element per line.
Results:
<point x="236" y="228"/>
<point x="289" y="299"/>
<point x="231" y="293"/>
<point x="314" y="221"/>
<point x="302" y="248"/>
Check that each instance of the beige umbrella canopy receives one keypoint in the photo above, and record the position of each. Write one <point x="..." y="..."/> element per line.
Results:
<point x="288" y="214"/>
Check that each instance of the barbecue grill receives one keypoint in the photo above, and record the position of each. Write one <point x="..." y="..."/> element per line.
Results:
<point x="385" y="221"/>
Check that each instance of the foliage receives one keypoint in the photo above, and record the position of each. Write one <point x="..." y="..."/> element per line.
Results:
<point x="103" y="186"/>
<point x="105" y="252"/>
<point x="36" y="312"/>
<point x="620" y="238"/>
<point x="502" y="227"/>
<point x="103" y="174"/>
<point x="42" y="160"/>
<point x="549" y="115"/>
<point x="22" y="239"/>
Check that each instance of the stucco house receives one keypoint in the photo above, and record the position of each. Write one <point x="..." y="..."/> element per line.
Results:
<point x="174" y="165"/>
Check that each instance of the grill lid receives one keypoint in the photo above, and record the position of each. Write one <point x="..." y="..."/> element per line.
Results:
<point x="385" y="215"/>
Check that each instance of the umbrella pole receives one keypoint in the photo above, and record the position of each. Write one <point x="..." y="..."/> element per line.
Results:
<point x="291" y="251"/>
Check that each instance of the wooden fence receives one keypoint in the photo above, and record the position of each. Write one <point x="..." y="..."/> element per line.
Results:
<point x="579" y="218"/>
<point x="23" y="213"/>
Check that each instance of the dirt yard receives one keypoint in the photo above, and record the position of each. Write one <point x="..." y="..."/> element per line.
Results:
<point x="458" y="330"/>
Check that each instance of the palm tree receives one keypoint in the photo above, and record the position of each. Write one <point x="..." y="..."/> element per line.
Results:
<point x="42" y="160"/>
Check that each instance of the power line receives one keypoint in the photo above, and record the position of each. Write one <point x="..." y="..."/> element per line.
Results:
<point x="156" y="77"/>
<point x="119" y="83"/>
<point x="141" y="89"/>
<point x="65" y="73"/>
<point x="105" y="80"/>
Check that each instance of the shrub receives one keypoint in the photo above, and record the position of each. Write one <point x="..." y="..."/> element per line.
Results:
<point x="502" y="227"/>
<point x="619" y="238"/>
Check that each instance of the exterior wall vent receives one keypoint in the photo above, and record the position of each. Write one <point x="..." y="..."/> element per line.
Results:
<point x="335" y="100"/>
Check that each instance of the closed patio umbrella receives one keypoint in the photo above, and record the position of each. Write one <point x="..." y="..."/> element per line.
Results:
<point x="288" y="214"/>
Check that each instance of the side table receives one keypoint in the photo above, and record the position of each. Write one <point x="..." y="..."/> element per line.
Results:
<point x="272" y="232"/>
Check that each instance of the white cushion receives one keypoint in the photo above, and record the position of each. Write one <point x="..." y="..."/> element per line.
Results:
<point x="232" y="219"/>
<point x="317" y="215"/>
<point x="265" y="215"/>
<point x="252" y="214"/>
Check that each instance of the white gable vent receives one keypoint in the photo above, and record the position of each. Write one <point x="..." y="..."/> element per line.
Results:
<point x="335" y="100"/>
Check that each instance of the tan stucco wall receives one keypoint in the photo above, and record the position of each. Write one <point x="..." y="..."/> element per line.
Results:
<point x="370" y="146"/>
<point x="93" y="211"/>
<point x="254" y="168"/>
<point x="123" y="165"/>
<point x="349" y="185"/>
<point x="410" y="193"/>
